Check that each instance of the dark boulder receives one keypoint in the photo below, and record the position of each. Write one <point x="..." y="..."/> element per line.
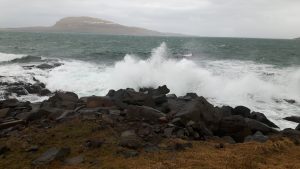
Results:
<point x="226" y="111"/>
<point x="143" y="113"/>
<point x="242" y="111"/>
<point x="295" y="119"/>
<point x="45" y="66"/>
<point x="63" y="100"/>
<point x="9" y="103"/>
<point x="291" y="101"/>
<point x="255" y="126"/>
<point x="258" y="137"/>
<point x="290" y="133"/>
<point x="51" y="155"/>
<point x="171" y="96"/>
<point x="18" y="90"/>
<point x="130" y="140"/>
<point x="35" y="88"/>
<point x="298" y="127"/>
<point x="161" y="90"/>
<point x="129" y="96"/>
<point x="262" y="118"/>
<point x="45" y="92"/>
<point x="200" y="110"/>
<point x="234" y="126"/>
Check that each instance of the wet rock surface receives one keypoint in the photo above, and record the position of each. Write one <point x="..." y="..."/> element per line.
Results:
<point x="139" y="120"/>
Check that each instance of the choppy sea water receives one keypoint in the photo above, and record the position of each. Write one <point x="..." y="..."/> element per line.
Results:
<point x="257" y="73"/>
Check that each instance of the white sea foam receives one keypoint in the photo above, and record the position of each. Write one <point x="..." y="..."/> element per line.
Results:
<point x="5" y="57"/>
<point x="260" y="87"/>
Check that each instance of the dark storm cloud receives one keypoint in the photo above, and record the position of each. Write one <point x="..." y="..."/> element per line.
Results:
<point x="236" y="18"/>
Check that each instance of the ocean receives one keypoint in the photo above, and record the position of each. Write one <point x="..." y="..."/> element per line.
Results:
<point x="257" y="73"/>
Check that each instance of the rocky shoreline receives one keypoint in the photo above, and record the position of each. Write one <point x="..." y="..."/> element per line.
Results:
<point x="140" y="120"/>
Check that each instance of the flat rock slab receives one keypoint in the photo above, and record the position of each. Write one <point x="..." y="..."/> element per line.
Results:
<point x="51" y="155"/>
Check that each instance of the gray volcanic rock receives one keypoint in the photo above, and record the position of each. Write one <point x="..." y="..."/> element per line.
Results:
<point x="51" y="155"/>
<point x="295" y="119"/>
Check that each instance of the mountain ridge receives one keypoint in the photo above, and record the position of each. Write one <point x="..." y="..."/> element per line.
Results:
<point x="85" y="24"/>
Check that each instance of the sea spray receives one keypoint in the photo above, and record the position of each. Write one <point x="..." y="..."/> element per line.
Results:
<point x="261" y="87"/>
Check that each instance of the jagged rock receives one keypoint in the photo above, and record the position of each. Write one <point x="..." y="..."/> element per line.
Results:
<point x="161" y="90"/>
<point x="33" y="114"/>
<point x="11" y="103"/>
<point x="291" y="133"/>
<point x="178" y="122"/>
<point x="129" y="96"/>
<point x="199" y="110"/>
<point x="242" y="111"/>
<point x="201" y="129"/>
<point x="258" y="136"/>
<point x="255" y="126"/>
<point x="295" y="119"/>
<point x="35" y="88"/>
<point x="45" y="92"/>
<point x="298" y="127"/>
<point x="130" y="140"/>
<point x="64" y="100"/>
<point x="75" y="160"/>
<point x="226" y="111"/>
<point x="234" y="126"/>
<point x="262" y="118"/>
<point x="51" y="155"/>
<point x="143" y="113"/>
<point x="48" y="66"/>
<point x="291" y="101"/>
<point x="94" y="101"/>
<point x="159" y="99"/>
<point x="171" y="96"/>
<point x="18" y="90"/>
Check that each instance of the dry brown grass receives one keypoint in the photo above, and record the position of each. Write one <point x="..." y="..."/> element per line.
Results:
<point x="275" y="154"/>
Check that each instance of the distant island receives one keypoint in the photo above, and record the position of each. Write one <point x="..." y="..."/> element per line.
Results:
<point x="91" y="25"/>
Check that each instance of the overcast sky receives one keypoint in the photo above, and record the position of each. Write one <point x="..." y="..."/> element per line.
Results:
<point x="229" y="18"/>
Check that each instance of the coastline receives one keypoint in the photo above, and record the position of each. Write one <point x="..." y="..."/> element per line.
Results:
<point x="133" y="122"/>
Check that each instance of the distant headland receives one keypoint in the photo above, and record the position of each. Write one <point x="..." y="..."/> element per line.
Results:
<point x="86" y="24"/>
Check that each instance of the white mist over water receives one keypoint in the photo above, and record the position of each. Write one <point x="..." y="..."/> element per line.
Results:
<point x="260" y="87"/>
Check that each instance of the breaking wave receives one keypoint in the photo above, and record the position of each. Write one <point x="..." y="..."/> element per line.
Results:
<point x="261" y="87"/>
<point x="6" y="57"/>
